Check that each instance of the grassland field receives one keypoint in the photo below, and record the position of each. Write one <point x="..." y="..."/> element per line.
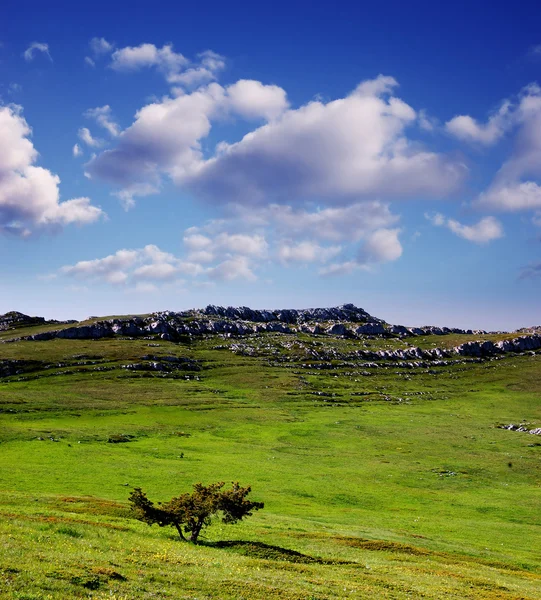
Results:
<point x="378" y="483"/>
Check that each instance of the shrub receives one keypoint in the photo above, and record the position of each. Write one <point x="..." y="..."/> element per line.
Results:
<point x="190" y="513"/>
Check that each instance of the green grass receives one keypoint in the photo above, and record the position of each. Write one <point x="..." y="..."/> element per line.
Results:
<point x="400" y="485"/>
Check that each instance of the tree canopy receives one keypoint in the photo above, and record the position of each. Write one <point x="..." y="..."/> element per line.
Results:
<point x="190" y="513"/>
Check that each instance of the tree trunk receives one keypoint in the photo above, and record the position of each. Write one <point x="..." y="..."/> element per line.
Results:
<point x="179" y="529"/>
<point x="197" y="530"/>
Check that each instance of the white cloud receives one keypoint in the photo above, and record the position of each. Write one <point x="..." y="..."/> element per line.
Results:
<point x="486" y="230"/>
<point x="466" y="128"/>
<point x="426" y="122"/>
<point x="344" y="268"/>
<point x="231" y="269"/>
<point x="134" y="58"/>
<point x="30" y="53"/>
<point x="238" y="243"/>
<point x="253" y="100"/>
<point x="29" y="195"/>
<point x="122" y="259"/>
<point x="516" y="185"/>
<point x="381" y="246"/>
<point x="100" y="46"/>
<point x="164" y="138"/>
<point x="177" y="69"/>
<point x="76" y="150"/>
<point x="347" y="148"/>
<point x="437" y="219"/>
<point x="86" y="137"/>
<point x="197" y="242"/>
<point x="306" y="252"/>
<point x="337" y="224"/>
<point x="342" y="151"/>
<point x="90" y="62"/>
<point x="205" y="249"/>
<point x="511" y="197"/>
<point x="204" y="70"/>
<point x="141" y="265"/>
<point x="103" y="117"/>
<point x="162" y="270"/>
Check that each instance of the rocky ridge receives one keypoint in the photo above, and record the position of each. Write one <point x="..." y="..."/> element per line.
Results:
<point x="347" y="320"/>
<point x="15" y="320"/>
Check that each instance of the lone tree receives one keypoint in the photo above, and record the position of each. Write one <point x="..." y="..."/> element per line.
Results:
<point x="189" y="513"/>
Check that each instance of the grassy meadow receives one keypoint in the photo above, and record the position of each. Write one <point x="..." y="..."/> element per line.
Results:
<point x="378" y="483"/>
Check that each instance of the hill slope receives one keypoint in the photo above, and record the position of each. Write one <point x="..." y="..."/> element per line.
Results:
<point x="384" y="460"/>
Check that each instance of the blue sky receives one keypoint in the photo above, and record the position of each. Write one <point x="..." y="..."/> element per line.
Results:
<point x="284" y="155"/>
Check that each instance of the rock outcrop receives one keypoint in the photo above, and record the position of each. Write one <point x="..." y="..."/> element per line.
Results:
<point x="344" y="321"/>
<point x="15" y="320"/>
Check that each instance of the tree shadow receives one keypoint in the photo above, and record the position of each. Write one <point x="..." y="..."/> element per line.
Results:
<point x="270" y="552"/>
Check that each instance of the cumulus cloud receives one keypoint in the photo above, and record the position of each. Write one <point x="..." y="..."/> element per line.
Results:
<point x="103" y="117"/>
<point x="164" y="138"/>
<point x="339" y="151"/>
<point x="29" y="195"/>
<point x="76" y="150"/>
<point x="37" y="47"/>
<point x="336" y="224"/>
<point x="486" y="230"/>
<point x="142" y="265"/>
<point x="237" y="267"/>
<point x="133" y="58"/>
<point x="206" y="249"/>
<point x="177" y="69"/>
<point x="511" y="196"/>
<point x="515" y="186"/>
<point x="205" y="70"/>
<point x="381" y="246"/>
<point x="253" y="100"/>
<point x="150" y="266"/>
<point x="466" y="128"/>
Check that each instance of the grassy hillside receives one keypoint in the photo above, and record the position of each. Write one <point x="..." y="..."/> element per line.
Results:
<point x="378" y="482"/>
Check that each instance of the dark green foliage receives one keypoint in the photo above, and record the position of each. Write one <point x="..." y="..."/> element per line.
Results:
<point x="189" y="513"/>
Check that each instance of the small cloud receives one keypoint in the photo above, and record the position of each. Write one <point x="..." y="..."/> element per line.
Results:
<point x="344" y="268"/>
<point x="103" y="117"/>
<point x="76" y="150"/>
<point x="30" y="53"/>
<point x="381" y="246"/>
<point x="89" y="61"/>
<point x="486" y="230"/>
<point x="100" y="46"/>
<point x="426" y="122"/>
<point x="535" y="52"/>
<point x="86" y="137"/>
<point x="531" y="271"/>
<point x="145" y="288"/>
<point x="14" y="88"/>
